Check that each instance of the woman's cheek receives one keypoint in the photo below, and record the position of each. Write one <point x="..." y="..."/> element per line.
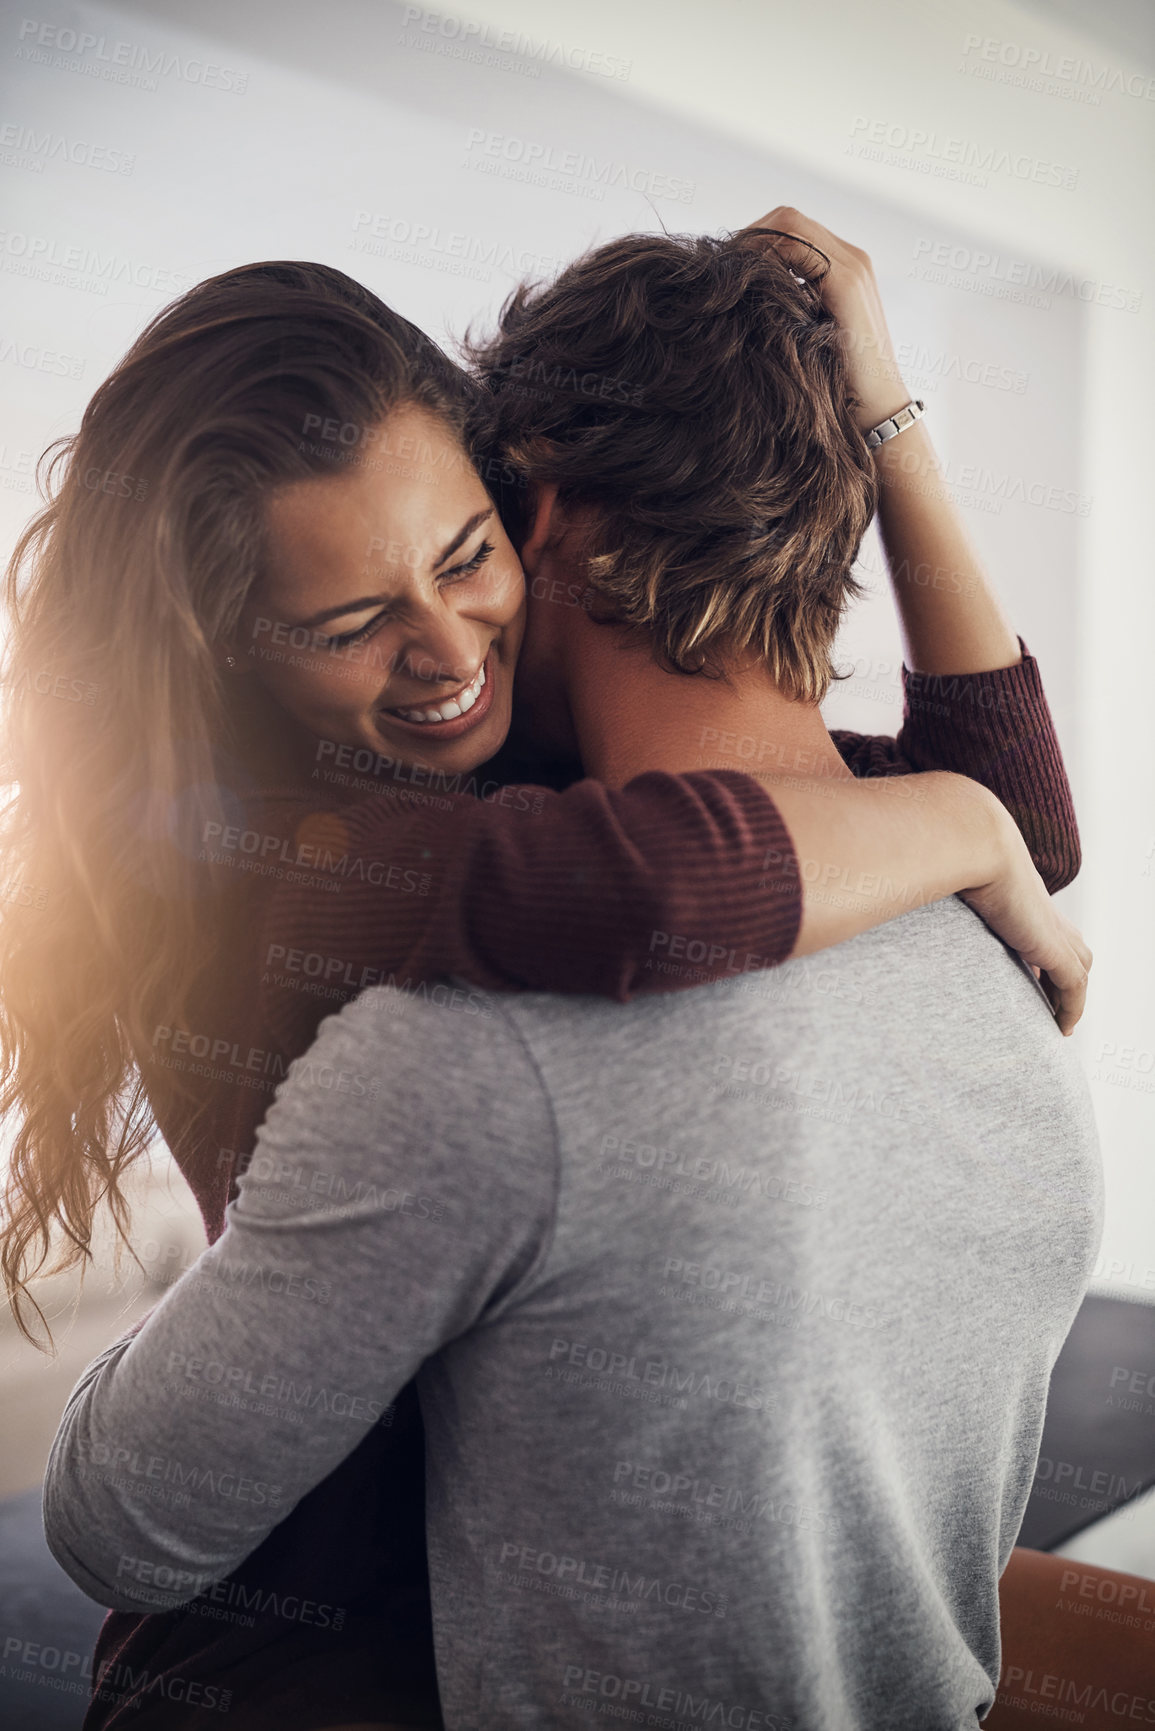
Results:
<point x="509" y="597"/>
<point x="333" y="685"/>
<point x="495" y="604"/>
<point x="512" y="612"/>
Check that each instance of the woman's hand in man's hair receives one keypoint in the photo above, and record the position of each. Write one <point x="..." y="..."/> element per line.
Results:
<point x="850" y="293"/>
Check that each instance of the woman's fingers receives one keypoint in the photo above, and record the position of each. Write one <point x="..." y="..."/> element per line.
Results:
<point x="1069" y="979"/>
<point x="796" y="236"/>
<point x="850" y="293"/>
<point x="1067" y="991"/>
<point x="1016" y="906"/>
<point x="1062" y="970"/>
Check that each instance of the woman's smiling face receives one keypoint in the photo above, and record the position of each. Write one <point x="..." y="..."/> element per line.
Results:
<point x="391" y="611"/>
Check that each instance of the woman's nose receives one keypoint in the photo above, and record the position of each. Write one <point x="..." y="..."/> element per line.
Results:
<point x="441" y="652"/>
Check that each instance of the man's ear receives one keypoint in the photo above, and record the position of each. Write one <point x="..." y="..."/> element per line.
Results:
<point x="544" y="524"/>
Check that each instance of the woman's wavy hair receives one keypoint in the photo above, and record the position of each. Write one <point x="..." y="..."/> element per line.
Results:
<point x="114" y="707"/>
<point x="693" y="390"/>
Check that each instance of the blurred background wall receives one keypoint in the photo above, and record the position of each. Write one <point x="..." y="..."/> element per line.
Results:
<point x="994" y="159"/>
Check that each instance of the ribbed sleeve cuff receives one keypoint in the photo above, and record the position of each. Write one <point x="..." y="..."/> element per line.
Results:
<point x="997" y="728"/>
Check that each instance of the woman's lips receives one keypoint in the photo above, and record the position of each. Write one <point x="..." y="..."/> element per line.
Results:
<point x="459" y="702"/>
<point x="457" y="725"/>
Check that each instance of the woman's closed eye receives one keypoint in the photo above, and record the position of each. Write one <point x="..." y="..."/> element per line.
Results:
<point x="455" y="574"/>
<point x="362" y="632"/>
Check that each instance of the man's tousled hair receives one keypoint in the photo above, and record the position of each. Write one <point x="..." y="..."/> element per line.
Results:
<point x="694" y="392"/>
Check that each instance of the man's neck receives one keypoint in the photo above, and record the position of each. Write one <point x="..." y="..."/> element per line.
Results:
<point x="631" y="715"/>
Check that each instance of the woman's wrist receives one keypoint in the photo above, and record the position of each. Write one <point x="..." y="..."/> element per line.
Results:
<point x="879" y="393"/>
<point x="898" y="458"/>
<point x="873" y="372"/>
<point x="977" y="830"/>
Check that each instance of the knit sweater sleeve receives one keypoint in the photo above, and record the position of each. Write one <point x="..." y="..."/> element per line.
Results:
<point x="997" y="728"/>
<point x="658" y="886"/>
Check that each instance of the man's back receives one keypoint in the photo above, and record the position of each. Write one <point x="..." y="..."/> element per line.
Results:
<point x="748" y="1439"/>
<point x="734" y="1313"/>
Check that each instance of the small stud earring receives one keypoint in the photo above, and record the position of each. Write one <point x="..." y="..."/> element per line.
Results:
<point x="230" y="662"/>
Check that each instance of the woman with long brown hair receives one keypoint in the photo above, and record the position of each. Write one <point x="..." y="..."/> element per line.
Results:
<point x="273" y="564"/>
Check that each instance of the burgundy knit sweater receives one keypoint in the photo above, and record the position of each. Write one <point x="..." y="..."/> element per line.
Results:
<point x="327" y="889"/>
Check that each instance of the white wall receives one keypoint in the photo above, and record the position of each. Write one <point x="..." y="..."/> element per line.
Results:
<point x="313" y="115"/>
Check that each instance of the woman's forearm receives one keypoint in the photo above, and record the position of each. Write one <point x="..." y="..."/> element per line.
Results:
<point x="867" y="851"/>
<point x="952" y="621"/>
<point x="597" y="890"/>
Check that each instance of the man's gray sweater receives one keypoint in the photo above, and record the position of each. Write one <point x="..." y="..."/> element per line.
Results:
<point x="733" y="1312"/>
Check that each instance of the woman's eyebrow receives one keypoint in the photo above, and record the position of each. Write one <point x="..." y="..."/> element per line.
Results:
<point x="463" y="534"/>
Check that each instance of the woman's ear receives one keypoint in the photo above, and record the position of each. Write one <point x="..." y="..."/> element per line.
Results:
<point x="544" y="523"/>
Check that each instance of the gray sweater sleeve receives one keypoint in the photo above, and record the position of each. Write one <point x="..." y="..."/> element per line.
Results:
<point x="395" y="1198"/>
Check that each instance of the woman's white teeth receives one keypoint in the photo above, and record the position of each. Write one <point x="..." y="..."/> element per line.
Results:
<point x="453" y="706"/>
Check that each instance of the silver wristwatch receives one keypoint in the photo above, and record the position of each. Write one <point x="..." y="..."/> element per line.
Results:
<point x="897" y="423"/>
